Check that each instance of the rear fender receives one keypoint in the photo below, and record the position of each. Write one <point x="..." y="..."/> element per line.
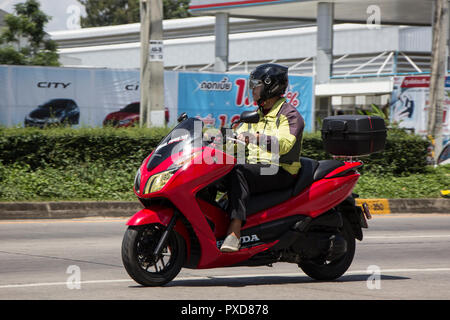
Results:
<point x="354" y="214"/>
<point x="161" y="215"/>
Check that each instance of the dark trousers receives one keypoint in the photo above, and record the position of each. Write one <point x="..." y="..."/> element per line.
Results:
<point x="246" y="179"/>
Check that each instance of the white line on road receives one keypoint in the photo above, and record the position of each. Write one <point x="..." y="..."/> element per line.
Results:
<point x="409" y="237"/>
<point x="364" y="272"/>
<point x="43" y="284"/>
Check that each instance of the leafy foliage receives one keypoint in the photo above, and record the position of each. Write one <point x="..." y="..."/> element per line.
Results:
<point x="420" y="185"/>
<point x="60" y="147"/>
<point x="376" y="111"/>
<point x="115" y="12"/>
<point x="100" y="164"/>
<point x="109" y="12"/>
<point x="176" y="9"/>
<point x="93" y="181"/>
<point x="24" y="41"/>
<point x="404" y="153"/>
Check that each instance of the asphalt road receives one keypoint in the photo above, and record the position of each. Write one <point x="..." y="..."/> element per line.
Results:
<point x="40" y="259"/>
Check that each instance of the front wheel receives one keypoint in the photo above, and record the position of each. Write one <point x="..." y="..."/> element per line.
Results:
<point x="325" y="270"/>
<point x="138" y="246"/>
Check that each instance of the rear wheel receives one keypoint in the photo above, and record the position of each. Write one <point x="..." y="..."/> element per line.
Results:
<point x="322" y="269"/>
<point x="138" y="246"/>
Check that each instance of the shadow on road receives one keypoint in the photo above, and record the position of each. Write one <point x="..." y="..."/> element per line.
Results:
<point x="269" y="280"/>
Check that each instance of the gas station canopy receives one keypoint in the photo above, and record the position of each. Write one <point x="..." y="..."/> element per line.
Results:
<point x="390" y="12"/>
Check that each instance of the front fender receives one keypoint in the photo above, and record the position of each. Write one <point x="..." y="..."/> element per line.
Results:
<point x="153" y="214"/>
<point x="161" y="215"/>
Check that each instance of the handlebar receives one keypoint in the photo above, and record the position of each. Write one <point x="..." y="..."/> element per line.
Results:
<point x="236" y="140"/>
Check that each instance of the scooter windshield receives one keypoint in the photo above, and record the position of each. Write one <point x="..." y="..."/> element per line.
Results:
<point x="186" y="136"/>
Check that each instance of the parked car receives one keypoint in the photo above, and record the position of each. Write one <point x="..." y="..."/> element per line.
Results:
<point x="127" y="116"/>
<point x="54" y="112"/>
<point x="444" y="157"/>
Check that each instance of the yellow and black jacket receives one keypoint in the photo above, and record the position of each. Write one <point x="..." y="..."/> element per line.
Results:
<point x="280" y="129"/>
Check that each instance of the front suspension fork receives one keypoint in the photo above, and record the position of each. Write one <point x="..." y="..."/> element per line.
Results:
<point x="165" y="236"/>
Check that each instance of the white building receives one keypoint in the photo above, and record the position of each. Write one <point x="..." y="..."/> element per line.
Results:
<point x="365" y="59"/>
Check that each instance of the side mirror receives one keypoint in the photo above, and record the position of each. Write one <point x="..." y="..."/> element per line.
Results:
<point x="247" y="117"/>
<point x="182" y="117"/>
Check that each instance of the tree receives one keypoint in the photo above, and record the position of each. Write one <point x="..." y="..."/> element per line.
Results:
<point x="113" y="12"/>
<point x="109" y="12"/>
<point x="176" y="9"/>
<point x="24" y="41"/>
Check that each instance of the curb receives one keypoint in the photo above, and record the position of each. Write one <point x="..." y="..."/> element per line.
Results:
<point x="83" y="209"/>
<point x="67" y="209"/>
<point x="387" y="206"/>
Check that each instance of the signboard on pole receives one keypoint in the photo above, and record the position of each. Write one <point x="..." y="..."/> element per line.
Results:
<point x="156" y="50"/>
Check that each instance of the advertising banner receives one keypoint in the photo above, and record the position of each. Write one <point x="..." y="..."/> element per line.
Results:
<point x="86" y="96"/>
<point x="218" y="98"/>
<point x="410" y="104"/>
<point x="80" y="96"/>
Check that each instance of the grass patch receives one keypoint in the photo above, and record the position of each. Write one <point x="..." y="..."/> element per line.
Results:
<point x="419" y="185"/>
<point x="90" y="181"/>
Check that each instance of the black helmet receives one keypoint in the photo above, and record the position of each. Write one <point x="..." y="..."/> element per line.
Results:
<point x="273" y="77"/>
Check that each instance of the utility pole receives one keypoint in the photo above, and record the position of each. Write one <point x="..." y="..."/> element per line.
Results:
<point x="438" y="73"/>
<point x="152" y="64"/>
<point x="221" y="48"/>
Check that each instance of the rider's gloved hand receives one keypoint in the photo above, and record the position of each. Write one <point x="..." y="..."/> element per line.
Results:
<point x="248" y="137"/>
<point x="212" y="136"/>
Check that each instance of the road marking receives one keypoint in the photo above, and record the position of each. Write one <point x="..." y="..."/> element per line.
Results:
<point x="234" y="276"/>
<point x="43" y="284"/>
<point x="409" y="237"/>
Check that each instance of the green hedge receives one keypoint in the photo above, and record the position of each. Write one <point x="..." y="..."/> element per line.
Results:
<point x="61" y="147"/>
<point x="404" y="153"/>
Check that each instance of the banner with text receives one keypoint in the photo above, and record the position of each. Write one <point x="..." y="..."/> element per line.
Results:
<point x="86" y="96"/>
<point x="79" y="96"/>
<point x="219" y="98"/>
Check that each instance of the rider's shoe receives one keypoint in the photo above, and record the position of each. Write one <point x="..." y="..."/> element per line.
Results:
<point x="231" y="244"/>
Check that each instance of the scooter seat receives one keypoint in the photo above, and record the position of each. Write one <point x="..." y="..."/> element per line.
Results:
<point x="263" y="201"/>
<point x="325" y="167"/>
<point x="310" y="171"/>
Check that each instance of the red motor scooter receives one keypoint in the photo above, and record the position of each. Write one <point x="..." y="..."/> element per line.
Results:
<point x="313" y="224"/>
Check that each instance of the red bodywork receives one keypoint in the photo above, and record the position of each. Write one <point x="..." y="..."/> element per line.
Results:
<point x="181" y="190"/>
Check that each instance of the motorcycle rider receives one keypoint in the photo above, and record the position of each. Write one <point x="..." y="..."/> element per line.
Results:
<point x="273" y="143"/>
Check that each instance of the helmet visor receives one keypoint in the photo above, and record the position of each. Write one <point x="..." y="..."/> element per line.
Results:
<point x="253" y="83"/>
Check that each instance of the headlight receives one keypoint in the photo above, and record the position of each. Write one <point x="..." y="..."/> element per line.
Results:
<point x="137" y="181"/>
<point x="52" y="120"/>
<point x="158" y="181"/>
<point x="126" y="121"/>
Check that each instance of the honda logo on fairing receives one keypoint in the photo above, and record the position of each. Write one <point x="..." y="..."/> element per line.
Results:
<point x="54" y="85"/>
<point x="244" y="239"/>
